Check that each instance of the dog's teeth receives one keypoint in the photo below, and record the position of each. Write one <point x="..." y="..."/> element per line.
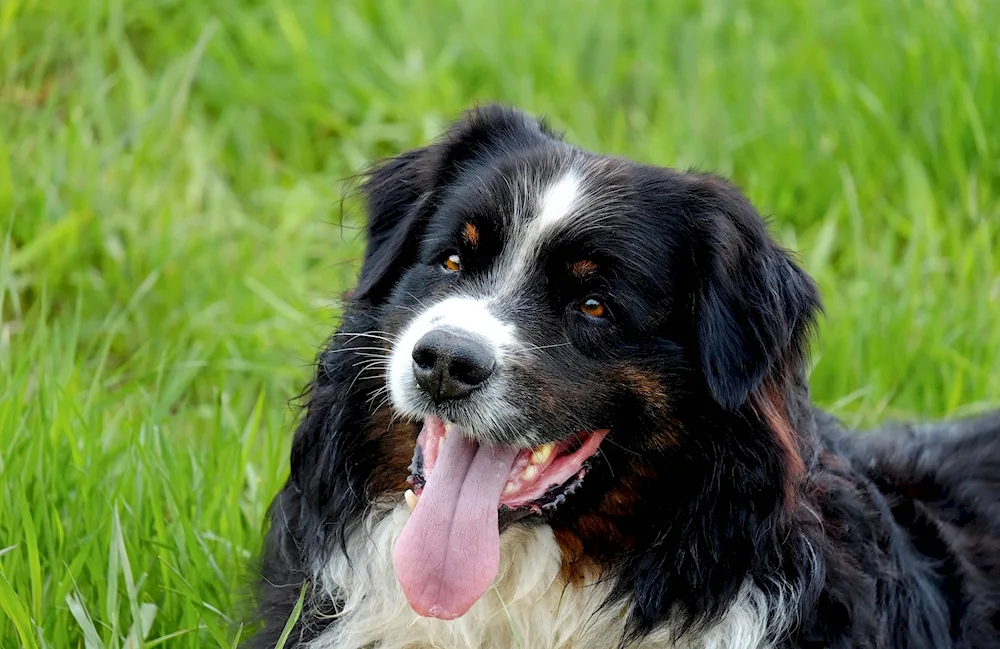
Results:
<point x="530" y="473"/>
<point x="542" y="453"/>
<point x="411" y="499"/>
<point x="440" y="444"/>
<point x="509" y="488"/>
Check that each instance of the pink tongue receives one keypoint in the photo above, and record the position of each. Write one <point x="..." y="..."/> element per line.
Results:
<point x="448" y="553"/>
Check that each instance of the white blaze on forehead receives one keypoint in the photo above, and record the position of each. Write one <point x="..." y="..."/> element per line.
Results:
<point x="558" y="201"/>
<point x="552" y="205"/>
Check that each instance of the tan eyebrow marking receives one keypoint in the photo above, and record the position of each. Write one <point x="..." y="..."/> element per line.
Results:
<point x="471" y="234"/>
<point x="583" y="268"/>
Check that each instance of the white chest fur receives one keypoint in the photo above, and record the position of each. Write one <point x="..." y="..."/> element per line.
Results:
<point x="529" y="606"/>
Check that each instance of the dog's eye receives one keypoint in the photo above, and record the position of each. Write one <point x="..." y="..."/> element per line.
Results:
<point x="594" y="308"/>
<point x="452" y="263"/>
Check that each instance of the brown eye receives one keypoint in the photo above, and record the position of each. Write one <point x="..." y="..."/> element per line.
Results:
<point x="593" y="308"/>
<point x="452" y="263"/>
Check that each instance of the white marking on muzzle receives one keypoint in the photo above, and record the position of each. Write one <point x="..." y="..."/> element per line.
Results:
<point x="463" y="313"/>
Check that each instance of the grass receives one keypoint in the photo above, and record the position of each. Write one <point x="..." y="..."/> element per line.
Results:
<point x="172" y="243"/>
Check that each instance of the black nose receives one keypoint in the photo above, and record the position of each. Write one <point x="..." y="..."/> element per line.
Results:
<point x="450" y="363"/>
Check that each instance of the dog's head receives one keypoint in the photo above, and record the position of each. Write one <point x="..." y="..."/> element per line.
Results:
<point x="582" y="338"/>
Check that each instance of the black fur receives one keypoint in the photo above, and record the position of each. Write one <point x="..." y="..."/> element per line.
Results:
<point x="756" y="305"/>
<point x="891" y="538"/>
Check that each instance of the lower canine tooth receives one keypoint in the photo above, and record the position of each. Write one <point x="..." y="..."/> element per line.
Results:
<point x="509" y="488"/>
<point x="440" y="444"/>
<point x="530" y="473"/>
<point x="411" y="499"/>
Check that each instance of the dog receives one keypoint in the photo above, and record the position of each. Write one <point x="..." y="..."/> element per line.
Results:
<point x="567" y="406"/>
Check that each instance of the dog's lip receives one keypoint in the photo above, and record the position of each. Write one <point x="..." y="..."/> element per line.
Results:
<point x="541" y="476"/>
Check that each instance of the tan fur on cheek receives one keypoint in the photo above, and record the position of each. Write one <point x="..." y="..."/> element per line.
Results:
<point x="395" y="442"/>
<point x="652" y="394"/>
<point x="644" y="385"/>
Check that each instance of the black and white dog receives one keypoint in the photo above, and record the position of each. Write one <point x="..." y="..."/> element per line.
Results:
<point x="567" y="407"/>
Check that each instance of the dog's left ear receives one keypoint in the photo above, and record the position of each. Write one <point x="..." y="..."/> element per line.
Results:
<point x="754" y="306"/>
<point x="402" y="193"/>
<point x="394" y="192"/>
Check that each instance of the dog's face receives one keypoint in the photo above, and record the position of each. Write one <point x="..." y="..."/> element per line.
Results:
<point x="566" y="327"/>
<point x="534" y="292"/>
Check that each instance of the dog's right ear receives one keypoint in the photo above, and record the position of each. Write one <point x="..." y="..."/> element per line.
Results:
<point x="402" y="193"/>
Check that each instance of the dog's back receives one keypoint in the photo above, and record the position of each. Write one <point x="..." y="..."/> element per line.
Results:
<point x="942" y="481"/>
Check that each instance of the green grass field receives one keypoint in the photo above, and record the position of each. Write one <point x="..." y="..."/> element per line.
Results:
<point x="174" y="240"/>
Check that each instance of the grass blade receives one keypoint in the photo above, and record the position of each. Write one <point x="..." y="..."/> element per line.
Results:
<point x="12" y="606"/>
<point x="91" y="639"/>
<point x="131" y="591"/>
<point x="31" y="546"/>
<point x="293" y="618"/>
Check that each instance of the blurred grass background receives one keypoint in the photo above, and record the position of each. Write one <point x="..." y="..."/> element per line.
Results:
<point x="173" y="244"/>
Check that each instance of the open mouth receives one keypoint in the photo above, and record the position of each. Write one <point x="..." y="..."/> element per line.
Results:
<point x="539" y="479"/>
<point x="448" y="553"/>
